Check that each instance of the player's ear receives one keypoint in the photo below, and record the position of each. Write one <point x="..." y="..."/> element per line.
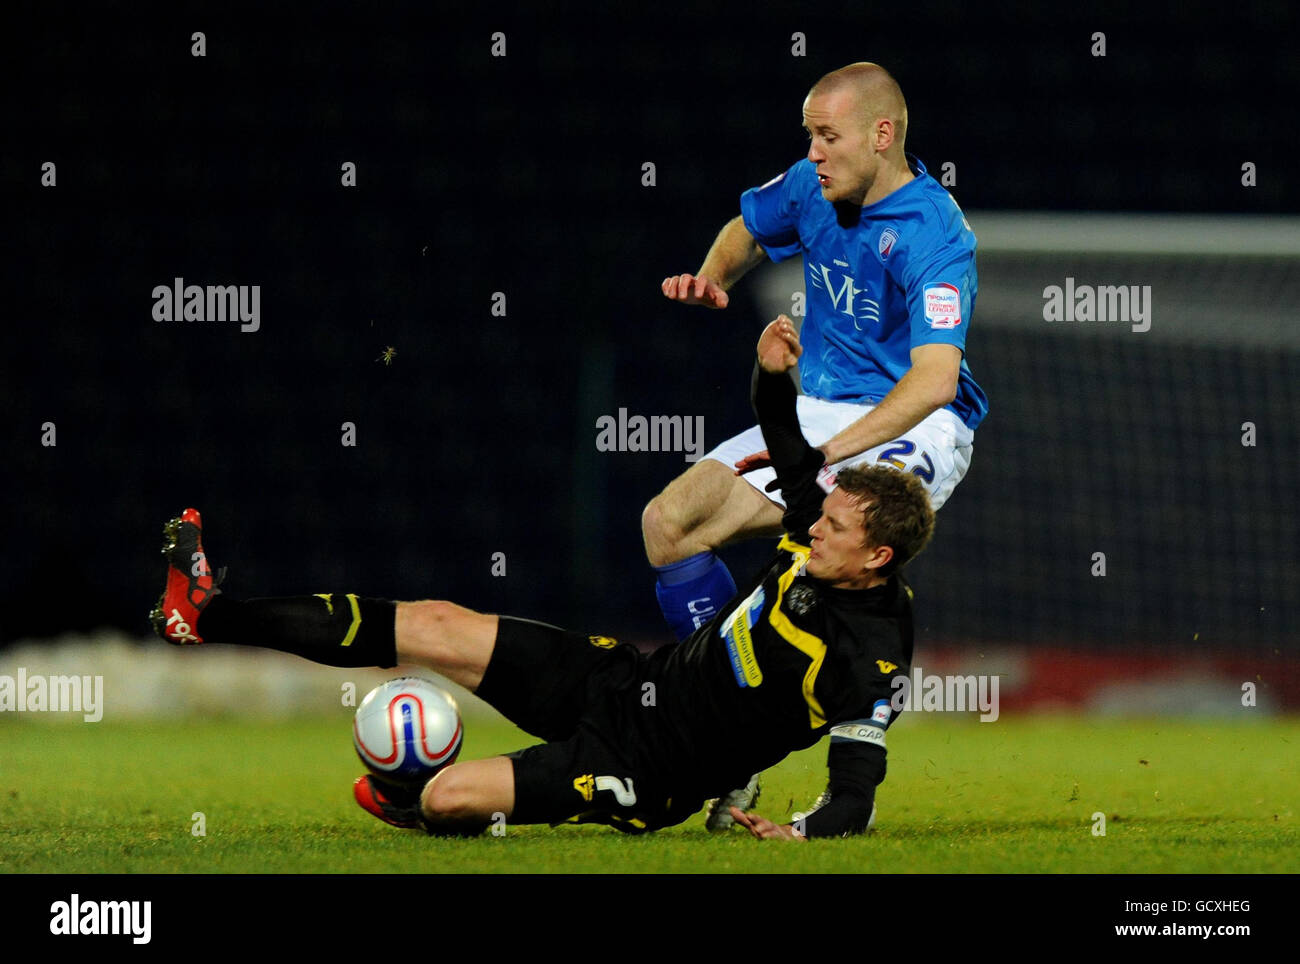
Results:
<point x="877" y="557"/>
<point x="884" y="132"/>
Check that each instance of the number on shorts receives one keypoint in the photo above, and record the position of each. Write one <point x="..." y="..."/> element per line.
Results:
<point x="623" y="791"/>
<point x="904" y="447"/>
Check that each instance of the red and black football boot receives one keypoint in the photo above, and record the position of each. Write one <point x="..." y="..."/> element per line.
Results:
<point x="396" y="806"/>
<point x="189" y="581"/>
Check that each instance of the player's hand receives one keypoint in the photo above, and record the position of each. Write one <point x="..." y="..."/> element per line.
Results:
<point x="764" y="829"/>
<point x="757" y="460"/>
<point x="778" y="346"/>
<point x="692" y="290"/>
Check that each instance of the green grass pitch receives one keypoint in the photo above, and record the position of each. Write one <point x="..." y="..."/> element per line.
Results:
<point x="1018" y="795"/>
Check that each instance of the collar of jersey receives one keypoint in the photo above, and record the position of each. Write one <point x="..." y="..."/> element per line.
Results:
<point x="917" y="168"/>
<point x="881" y="597"/>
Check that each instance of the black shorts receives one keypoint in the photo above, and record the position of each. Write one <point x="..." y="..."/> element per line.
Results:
<point x="583" y="695"/>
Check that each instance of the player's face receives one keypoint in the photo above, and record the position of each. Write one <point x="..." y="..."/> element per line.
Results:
<point x="839" y="555"/>
<point x="841" y="146"/>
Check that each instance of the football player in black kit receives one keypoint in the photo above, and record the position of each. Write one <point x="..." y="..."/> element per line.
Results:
<point x="809" y="646"/>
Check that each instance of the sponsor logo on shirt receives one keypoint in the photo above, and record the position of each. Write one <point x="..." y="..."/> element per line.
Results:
<point x="736" y="632"/>
<point x="942" y="305"/>
<point x="856" y="302"/>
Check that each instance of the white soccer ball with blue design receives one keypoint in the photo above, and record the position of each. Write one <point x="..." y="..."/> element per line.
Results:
<point x="406" y="730"/>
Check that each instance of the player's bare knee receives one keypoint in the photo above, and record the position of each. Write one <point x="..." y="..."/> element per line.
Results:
<point x="661" y="533"/>
<point x="424" y="627"/>
<point x="672" y="518"/>
<point x="449" y="796"/>
<point x="452" y="805"/>
<point x="443" y="614"/>
<point x="449" y="617"/>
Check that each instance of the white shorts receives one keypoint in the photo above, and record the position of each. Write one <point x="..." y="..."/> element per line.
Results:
<point x="938" y="449"/>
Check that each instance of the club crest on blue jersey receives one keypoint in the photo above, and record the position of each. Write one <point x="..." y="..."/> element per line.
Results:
<point x="887" y="239"/>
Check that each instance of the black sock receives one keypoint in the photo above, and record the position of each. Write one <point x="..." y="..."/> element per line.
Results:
<point x="337" y="629"/>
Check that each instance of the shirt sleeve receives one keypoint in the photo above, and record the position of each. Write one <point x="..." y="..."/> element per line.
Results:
<point x="938" y="275"/>
<point x="797" y="464"/>
<point x="771" y="214"/>
<point x="857" y="766"/>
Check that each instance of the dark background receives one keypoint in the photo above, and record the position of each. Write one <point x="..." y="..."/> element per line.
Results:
<point x="522" y="175"/>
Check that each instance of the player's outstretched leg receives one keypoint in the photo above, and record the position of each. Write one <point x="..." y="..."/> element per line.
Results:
<point x="189" y="586"/>
<point x="338" y="629"/>
<point x="346" y="630"/>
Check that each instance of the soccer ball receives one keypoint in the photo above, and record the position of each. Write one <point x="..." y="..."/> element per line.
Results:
<point x="406" y="730"/>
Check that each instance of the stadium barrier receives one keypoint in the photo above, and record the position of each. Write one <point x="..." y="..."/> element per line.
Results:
<point x="150" y="680"/>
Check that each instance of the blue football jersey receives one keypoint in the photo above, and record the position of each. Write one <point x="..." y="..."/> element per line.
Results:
<point x="899" y="275"/>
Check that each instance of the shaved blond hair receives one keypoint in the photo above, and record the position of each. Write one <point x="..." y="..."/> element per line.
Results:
<point x="876" y="93"/>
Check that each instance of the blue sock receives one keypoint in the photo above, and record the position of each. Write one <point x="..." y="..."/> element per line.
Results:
<point x="691" y="592"/>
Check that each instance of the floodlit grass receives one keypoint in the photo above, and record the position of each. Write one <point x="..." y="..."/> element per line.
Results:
<point x="1018" y="795"/>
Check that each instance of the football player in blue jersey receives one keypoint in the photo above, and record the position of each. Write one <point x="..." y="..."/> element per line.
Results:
<point x="889" y="269"/>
